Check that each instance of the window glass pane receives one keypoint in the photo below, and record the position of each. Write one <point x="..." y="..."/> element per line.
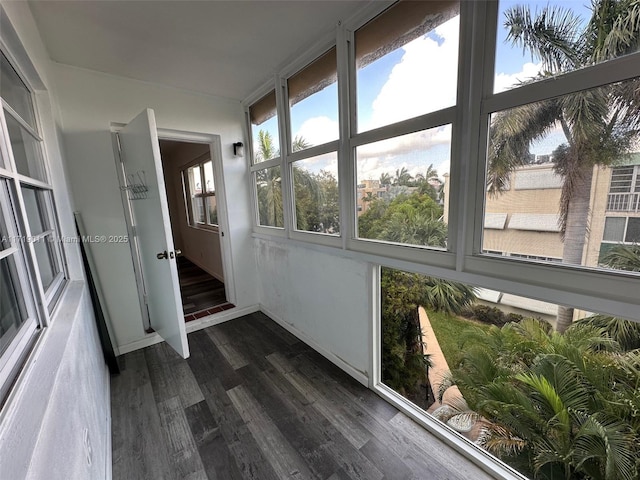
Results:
<point x="548" y="173"/>
<point x="13" y="312"/>
<point x="400" y="188"/>
<point x="45" y="257"/>
<point x="37" y="219"/>
<point x="614" y="229"/>
<point x="633" y="230"/>
<point x="26" y="151"/>
<point x="264" y="128"/>
<point x="494" y="367"/>
<point x="195" y="180"/>
<point x="269" y="193"/>
<point x="313" y="102"/>
<point x="15" y="93"/>
<point x="407" y="62"/>
<point x="208" y="177"/>
<point x="315" y="182"/>
<point x="212" y="209"/>
<point x="537" y="39"/>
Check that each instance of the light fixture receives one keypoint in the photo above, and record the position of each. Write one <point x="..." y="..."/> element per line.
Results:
<point x="238" y="149"/>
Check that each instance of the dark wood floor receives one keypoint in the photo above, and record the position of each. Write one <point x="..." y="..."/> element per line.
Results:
<point x="253" y="402"/>
<point x="202" y="294"/>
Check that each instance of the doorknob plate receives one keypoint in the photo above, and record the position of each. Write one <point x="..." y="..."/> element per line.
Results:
<point x="162" y="255"/>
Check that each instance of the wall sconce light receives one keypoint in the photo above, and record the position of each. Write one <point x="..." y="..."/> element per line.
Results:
<point x="238" y="149"/>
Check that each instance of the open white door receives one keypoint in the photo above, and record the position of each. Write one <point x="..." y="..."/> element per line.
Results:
<point x="140" y="153"/>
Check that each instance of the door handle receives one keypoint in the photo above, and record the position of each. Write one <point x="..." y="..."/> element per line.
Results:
<point x="162" y="255"/>
<point x="178" y="251"/>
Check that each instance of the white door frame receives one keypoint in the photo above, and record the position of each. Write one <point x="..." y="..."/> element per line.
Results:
<point x="215" y="150"/>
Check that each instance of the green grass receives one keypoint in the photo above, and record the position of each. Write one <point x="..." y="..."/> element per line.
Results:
<point x="448" y="329"/>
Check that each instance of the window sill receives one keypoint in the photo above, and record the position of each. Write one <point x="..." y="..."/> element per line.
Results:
<point x="23" y="410"/>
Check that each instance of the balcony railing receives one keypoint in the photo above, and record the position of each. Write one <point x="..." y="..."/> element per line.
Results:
<point x="623" y="202"/>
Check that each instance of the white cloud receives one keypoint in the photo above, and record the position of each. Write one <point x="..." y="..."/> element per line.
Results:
<point x="504" y="81"/>
<point x="318" y="130"/>
<point x="423" y="81"/>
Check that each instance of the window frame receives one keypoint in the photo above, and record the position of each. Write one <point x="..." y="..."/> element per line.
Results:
<point x="551" y="279"/>
<point x="597" y="290"/>
<point x="188" y="203"/>
<point x="290" y="157"/>
<point x="40" y="302"/>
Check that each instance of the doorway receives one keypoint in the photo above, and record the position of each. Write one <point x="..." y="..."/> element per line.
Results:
<point x="192" y="182"/>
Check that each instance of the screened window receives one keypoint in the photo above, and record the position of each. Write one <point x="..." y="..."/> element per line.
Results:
<point x="201" y="195"/>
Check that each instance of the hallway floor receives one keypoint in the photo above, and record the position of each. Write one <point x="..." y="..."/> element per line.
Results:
<point x="254" y="402"/>
<point x="202" y="294"/>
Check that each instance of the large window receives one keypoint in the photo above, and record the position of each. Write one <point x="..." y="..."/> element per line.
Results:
<point x="489" y="366"/>
<point x="202" y="210"/>
<point x="312" y="156"/>
<point x="400" y="169"/>
<point x="265" y="160"/>
<point x="32" y="267"/>
<point x="492" y="143"/>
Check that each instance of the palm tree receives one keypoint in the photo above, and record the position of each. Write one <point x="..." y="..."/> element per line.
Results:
<point x="403" y="177"/>
<point x="623" y="257"/>
<point x="599" y="124"/>
<point x="553" y="405"/>
<point x="385" y="179"/>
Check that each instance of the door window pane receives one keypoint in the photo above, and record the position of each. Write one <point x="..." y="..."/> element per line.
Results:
<point x="15" y="93"/>
<point x="317" y="205"/>
<point x="541" y="39"/>
<point x="400" y="189"/>
<point x="407" y="62"/>
<point x="26" y="151"/>
<point x="313" y="103"/>
<point x="264" y="128"/>
<point x="13" y="311"/>
<point x="269" y="193"/>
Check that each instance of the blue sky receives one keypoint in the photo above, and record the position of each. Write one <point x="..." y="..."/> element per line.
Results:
<point x="402" y="85"/>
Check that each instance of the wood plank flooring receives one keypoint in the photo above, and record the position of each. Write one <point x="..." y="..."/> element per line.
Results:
<point x="202" y="294"/>
<point x="253" y="402"/>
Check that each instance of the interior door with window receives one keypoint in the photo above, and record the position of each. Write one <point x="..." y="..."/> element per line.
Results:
<point x="140" y="154"/>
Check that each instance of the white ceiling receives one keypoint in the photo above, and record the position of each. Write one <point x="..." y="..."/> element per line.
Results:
<point x="224" y="48"/>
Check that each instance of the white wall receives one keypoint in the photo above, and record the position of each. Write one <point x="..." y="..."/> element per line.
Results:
<point x="322" y="298"/>
<point x="89" y="103"/>
<point x="60" y="402"/>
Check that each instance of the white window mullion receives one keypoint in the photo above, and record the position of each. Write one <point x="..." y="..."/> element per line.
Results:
<point x="346" y="172"/>
<point x="286" y="183"/>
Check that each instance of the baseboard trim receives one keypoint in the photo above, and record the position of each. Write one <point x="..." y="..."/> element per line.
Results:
<point x="333" y="358"/>
<point x="192" y="326"/>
